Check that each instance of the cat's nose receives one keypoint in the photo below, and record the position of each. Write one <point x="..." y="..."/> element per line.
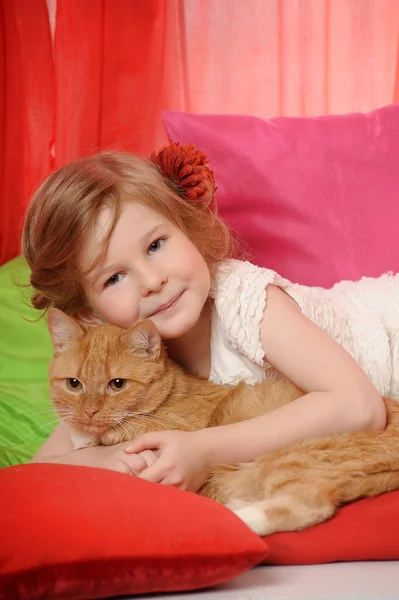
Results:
<point x="90" y="412"/>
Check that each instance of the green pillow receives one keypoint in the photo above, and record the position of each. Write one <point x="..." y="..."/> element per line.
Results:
<point x="26" y="414"/>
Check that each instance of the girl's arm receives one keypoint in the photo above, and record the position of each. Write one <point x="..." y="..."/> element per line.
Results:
<point x="58" y="449"/>
<point x="56" y="446"/>
<point x="340" y="396"/>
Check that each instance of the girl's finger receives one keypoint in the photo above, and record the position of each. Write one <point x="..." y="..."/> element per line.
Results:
<point x="136" y="463"/>
<point x="150" y="456"/>
<point x="147" y="441"/>
<point x="154" y="473"/>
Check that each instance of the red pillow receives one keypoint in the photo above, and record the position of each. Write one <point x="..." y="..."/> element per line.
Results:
<point x="365" y="530"/>
<point x="77" y="532"/>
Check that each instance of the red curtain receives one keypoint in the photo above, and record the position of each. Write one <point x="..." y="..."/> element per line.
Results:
<point x="26" y="112"/>
<point x="113" y="75"/>
<point x="114" y="64"/>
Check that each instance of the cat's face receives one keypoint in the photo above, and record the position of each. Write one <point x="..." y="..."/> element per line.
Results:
<point x="100" y="377"/>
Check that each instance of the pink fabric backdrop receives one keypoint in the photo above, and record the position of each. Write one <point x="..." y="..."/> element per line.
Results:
<point x="117" y="63"/>
<point x="289" y="57"/>
<point x="314" y="199"/>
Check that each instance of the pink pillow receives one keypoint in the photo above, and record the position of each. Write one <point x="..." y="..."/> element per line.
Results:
<point x="316" y="199"/>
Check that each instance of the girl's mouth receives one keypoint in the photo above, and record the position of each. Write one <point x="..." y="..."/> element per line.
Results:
<point x="168" y="305"/>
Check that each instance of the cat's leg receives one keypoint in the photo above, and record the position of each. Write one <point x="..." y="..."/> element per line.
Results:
<point x="234" y="505"/>
<point x="81" y="440"/>
<point x="252" y="514"/>
<point x="286" y="511"/>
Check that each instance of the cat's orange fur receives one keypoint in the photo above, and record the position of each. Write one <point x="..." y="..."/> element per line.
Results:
<point x="290" y="489"/>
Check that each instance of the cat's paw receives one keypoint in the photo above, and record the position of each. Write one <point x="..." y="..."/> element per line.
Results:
<point x="254" y="516"/>
<point x="236" y="504"/>
<point x="81" y="440"/>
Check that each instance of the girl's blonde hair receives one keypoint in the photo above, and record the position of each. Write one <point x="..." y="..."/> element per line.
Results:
<point x="63" y="212"/>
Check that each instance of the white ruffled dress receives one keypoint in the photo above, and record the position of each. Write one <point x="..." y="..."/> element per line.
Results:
<point x="362" y="316"/>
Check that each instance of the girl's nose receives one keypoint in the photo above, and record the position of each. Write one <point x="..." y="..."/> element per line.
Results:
<point x="152" y="281"/>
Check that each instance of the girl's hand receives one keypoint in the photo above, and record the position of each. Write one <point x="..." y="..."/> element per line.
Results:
<point x="113" y="458"/>
<point x="183" y="458"/>
<point x="58" y="449"/>
<point x="116" y="459"/>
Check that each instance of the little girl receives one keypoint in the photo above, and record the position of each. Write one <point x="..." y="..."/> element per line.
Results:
<point x="117" y="238"/>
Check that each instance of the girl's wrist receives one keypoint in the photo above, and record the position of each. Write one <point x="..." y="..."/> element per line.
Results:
<point x="221" y="445"/>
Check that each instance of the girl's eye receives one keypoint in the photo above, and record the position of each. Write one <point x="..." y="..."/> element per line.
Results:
<point x="113" y="279"/>
<point x="155" y="246"/>
<point x="74" y="384"/>
<point x="117" y="384"/>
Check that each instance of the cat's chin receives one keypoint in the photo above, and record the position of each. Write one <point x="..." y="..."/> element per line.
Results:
<point x="104" y="434"/>
<point x="82" y="439"/>
<point x="94" y="430"/>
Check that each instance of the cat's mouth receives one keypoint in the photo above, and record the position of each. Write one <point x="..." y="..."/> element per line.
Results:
<point x="100" y="428"/>
<point x="94" y="428"/>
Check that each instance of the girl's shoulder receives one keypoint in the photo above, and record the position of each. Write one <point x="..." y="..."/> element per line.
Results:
<point x="242" y="276"/>
<point x="239" y="291"/>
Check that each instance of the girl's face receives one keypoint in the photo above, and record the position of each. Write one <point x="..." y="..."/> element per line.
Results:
<point x="150" y="270"/>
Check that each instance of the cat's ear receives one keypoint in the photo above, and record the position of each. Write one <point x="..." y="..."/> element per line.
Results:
<point x="145" y="339"/>
<point x="88" y="317"/>
<point x="64" y="331"/>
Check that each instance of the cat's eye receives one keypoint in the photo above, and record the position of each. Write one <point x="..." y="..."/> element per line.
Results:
<point x="74" y="384"/>
<point x="117" y="384"/>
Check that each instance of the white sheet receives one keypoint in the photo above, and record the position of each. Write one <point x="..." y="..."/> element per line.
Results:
<point x="337" y="581"/>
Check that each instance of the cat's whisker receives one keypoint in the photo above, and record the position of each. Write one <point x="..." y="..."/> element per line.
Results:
<point x="63" y="416"/>
<point x="49" y="411"/>
<point x="148" y="417"/>
<point x="55" y="420"/>
<point x="126" y="424"/>
<point x="31" y="415"/>
<point x="22" y="417"/>
<point x="132" y="427"/>
<point x="128" y="437"/>
<point x="131" y="424"/>
<point x="67" y="418"/>
<point x="47" y="428"/>
<point x="40" y="411"/>
<point x="157" y="422"/>
<point x="116" y="422"/>
<point x="65" y="412"/>
<point x="123" y="416"/>
<point x="130" y="414"/>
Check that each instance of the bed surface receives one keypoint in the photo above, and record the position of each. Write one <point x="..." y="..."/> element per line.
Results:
<point x="337" y="581"/>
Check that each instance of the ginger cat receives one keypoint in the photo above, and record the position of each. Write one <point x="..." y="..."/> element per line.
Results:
<point x="110" y="385"/>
